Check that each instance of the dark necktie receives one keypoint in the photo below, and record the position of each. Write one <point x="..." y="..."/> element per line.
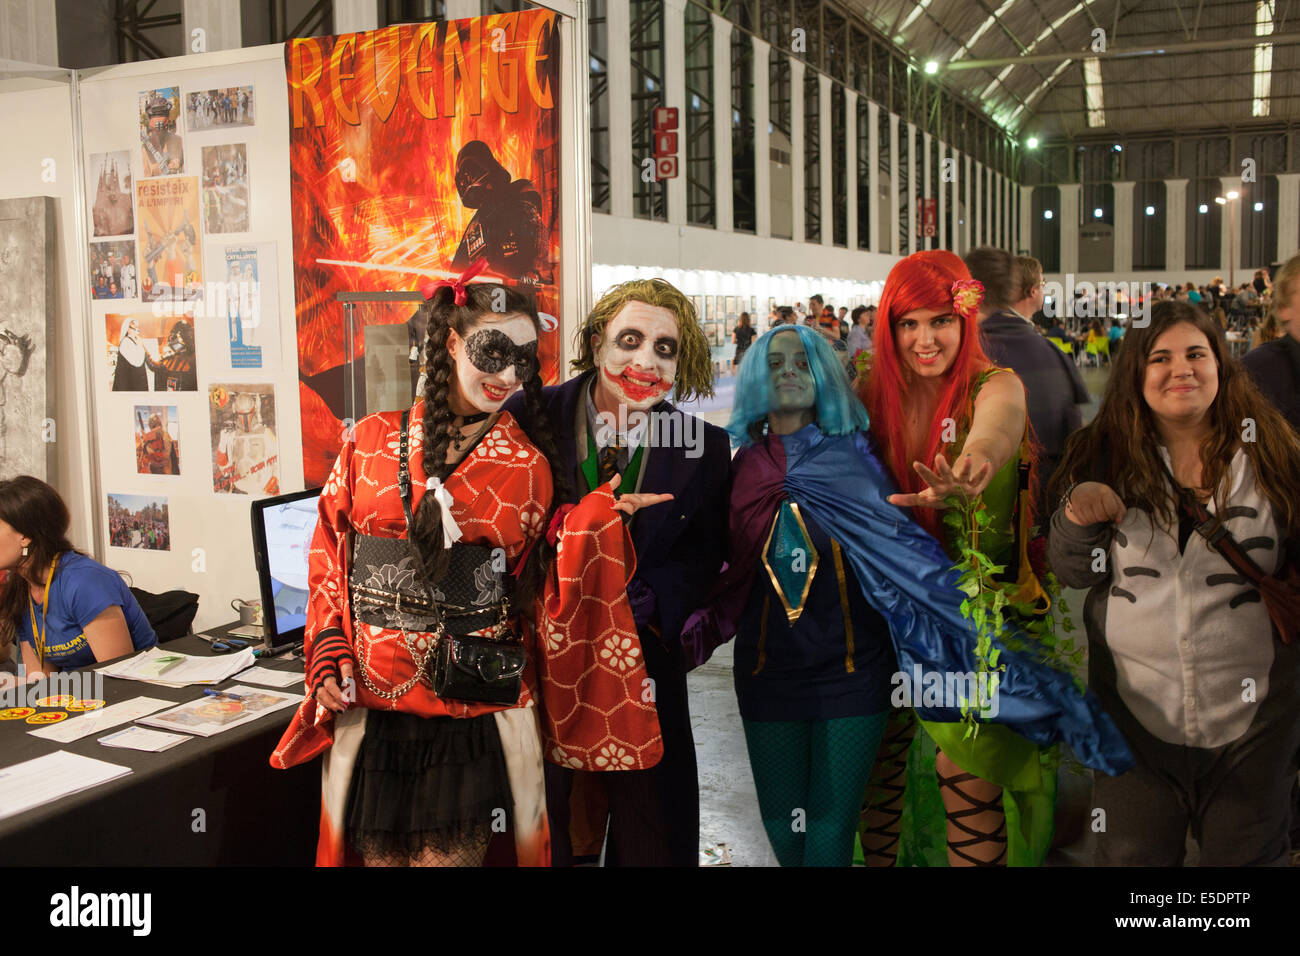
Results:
<point x="607" y="463"/>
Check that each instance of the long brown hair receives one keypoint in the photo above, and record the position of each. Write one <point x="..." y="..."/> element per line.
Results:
<point x="1120" y="446"/>
<point x="34" y="510"/>
<point x="442" y="314"/>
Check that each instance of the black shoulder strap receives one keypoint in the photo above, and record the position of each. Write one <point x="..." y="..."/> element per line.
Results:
<point x="1216" y="533"/>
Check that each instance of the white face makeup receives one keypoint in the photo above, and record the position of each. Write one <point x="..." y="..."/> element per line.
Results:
<point x="788" y="374"/>
<point x="493" y="359"/>
<point x="1182" y="377"/>
<point x="636" y="360"/>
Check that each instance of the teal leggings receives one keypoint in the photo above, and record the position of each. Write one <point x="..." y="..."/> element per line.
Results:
<point x="810" y="776"/>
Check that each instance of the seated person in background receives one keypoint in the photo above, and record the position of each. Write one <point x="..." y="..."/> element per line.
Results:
<point x="66" y="609"/>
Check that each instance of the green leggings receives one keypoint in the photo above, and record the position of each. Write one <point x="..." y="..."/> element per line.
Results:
<point x="810" y="776"/>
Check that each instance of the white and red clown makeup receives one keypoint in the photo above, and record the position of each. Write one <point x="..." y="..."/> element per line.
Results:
<point x="637" y="356"/>
<point x="645" y="344"/>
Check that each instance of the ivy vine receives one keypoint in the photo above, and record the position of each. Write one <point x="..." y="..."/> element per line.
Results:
<point x="988" y="604"/>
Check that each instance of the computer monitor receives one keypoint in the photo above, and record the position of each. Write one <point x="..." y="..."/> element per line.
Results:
<point x="282" y="531"/>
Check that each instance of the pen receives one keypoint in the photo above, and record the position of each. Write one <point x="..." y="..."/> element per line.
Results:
<point x="221" y="693"/>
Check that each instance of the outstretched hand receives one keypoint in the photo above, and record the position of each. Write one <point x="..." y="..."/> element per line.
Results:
<point x="968" y="478"/>
<point x="630" y="504"/>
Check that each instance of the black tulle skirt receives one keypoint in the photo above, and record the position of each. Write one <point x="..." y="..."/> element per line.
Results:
<point x="427" y="782"/>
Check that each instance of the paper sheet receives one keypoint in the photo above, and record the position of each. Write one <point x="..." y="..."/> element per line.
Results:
<point x="93" y="721"/>
<point x="36" y="782"/>
<point x="270" y="678"/>
<point x="140" y="738"/>
<point x="192" y="670"/>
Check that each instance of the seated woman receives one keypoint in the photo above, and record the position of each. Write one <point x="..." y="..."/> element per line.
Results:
<point x="1183" y="652"/>
<point x="66" y="609"/>
<point x="809" y="493"/>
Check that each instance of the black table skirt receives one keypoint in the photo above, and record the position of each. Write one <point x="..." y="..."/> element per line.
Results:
<point x="252" y="815"/>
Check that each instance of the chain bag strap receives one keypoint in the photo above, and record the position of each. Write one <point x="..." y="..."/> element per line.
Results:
<point x="463" y="667"/>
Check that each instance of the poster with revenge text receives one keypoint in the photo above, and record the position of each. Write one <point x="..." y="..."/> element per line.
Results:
<point x="415" y="151"/>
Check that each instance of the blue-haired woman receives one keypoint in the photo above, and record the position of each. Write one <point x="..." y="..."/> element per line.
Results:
<point x="831" y="592"/>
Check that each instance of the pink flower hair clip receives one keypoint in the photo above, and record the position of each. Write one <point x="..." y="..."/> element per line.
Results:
<point x="967" y="294"/>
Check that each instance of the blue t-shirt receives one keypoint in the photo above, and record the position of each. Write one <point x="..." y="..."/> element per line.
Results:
<point x="82" y="588"/>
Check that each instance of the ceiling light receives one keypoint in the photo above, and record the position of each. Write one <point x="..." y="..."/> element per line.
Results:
<point x="1096" y="214"/>
<point x="1203" y="208"/>
<point x="1119" y="148"/>
<point x="1220" y="200"/>
<point x="1151" y="210"/>
<point x="1032" y="142"/>
<point x="1259" y="207"/>
<point x="931" y="67"/>
<point x="1233" y="194"/>
<point x="1047" y="214"/>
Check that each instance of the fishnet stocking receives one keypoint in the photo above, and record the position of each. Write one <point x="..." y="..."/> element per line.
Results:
<point x="976" y="820"/>
<point x="882" y="806"/>
<point x="382" y="849"/>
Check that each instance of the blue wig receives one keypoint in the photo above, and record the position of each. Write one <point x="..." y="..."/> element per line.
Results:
<point x="838" y="410"/>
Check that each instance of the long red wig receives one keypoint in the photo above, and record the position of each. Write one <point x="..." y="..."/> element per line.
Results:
<point x="923" y="280"/>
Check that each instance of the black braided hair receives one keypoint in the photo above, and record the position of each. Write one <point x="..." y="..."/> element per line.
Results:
<point x="541" y="434"/>
<point x="442" y="315"/>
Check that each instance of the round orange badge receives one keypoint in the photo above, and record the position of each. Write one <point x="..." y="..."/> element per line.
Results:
<point x="88" y="704"/>
<point x="63" y="700"/>
<point x="49" y="717"/>
<point x="16" y="713"/>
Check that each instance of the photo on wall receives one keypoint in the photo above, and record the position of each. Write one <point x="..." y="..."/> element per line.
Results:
<point x="225" y="188"/>
<point x="27" y="269"/>
<point x="139" y="521"/>
<point x="219" y="109"/>
<point x="157" y="440"/>
<point x="148" y="352"/>
<point x="252" y="327"/>
<point x="112" y="269"/>
<point x="245" y="449"/>
<point x="112" y="196"/>
<point x="162" y="150"/>
<point x="170" y="258"/>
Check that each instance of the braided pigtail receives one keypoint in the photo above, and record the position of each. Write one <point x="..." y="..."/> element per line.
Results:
<point x="437" y="425"/>
<point x="542" y="435"/>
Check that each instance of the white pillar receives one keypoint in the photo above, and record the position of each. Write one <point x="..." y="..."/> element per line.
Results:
<point x="1004" y="221"/>
<point x="1010" y="206"/>
<point x="968" y="194"/>
<point x="460" y="9"/>
<point x="1070" y="226"/>
<point x="28" y="32"/>
<point x="873" y="164"/>
<point x="912" y="166"/>
<point x="942" y="188"/>
<point x="851" y="140"/>
<point x="977" y="212"/>
<point x="824" y="152"/>
<point x="1176" y="228"/>
<point x="1288" y="215"/>
<point x="894" y="220"/>
<point x="1123" y="232"/>
<point x="623" y="166"/>
<point x="798" y="200"/>
<point x="350" y="16"/>
<point x="1026" y="227"/>
<point x="675" y="95"/>
<point x="723" y="189"/>
<point x="1230" y="257"/>
<point x="762" y="93"/>
<point x="926" y="243"/>
<point x="995" y="210"/>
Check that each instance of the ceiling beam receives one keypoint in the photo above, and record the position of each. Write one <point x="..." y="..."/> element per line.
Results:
<point x="1114" y="53"/>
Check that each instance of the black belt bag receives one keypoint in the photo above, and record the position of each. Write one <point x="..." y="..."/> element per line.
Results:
<point x="389" y="589"/>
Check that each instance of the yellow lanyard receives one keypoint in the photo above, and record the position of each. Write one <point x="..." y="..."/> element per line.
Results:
<point x="38" y="636"/>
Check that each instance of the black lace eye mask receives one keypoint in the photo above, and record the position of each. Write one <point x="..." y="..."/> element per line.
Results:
<point x="491" y="351"/>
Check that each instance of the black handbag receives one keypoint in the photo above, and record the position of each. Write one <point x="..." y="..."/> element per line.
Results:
<point x="464" y="667"/>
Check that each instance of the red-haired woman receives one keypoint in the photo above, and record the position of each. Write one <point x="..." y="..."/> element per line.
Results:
<point x="949" y="422"/>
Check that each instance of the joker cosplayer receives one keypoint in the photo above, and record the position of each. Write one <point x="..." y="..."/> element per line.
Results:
<point x="641" y="340"/>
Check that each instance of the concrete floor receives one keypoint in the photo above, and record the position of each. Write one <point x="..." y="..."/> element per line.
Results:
<point x="728" y="804"/>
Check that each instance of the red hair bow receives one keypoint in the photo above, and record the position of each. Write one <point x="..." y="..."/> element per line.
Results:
<point x="456" y="285"/>
<point x="967" y="295"/>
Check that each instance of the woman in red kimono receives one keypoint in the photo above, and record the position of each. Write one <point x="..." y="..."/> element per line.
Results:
<point x="409" y="777"/>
